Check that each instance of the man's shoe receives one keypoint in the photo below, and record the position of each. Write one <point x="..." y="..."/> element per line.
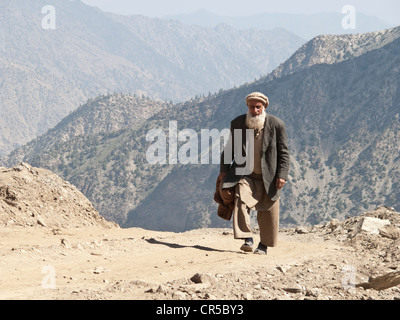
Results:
<point x="247" y="246"/>
<point x="261" y="249"/>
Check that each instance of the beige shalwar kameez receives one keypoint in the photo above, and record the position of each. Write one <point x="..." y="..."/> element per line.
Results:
<point x="250" y="194"/>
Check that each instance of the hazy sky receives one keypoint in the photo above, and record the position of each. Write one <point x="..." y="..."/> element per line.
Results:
<point x="387" y="10"/>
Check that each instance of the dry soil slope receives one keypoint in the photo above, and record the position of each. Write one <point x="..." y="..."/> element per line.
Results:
<point x="37" y="197"/>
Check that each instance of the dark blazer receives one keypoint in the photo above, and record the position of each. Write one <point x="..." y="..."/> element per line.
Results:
<point x="275" y="159"/>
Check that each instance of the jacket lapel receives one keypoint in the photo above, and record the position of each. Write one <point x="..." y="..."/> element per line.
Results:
<point x="267" y="134"/>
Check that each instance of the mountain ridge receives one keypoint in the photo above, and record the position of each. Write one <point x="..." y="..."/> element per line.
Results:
<point x="333" y="131"/>
<point x="331" y="49"/>
<point x="306" y="26"/>
<point x="303" y="212"/>
<point x="46" y="73"/>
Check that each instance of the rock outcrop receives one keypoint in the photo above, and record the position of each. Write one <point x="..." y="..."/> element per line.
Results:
<point x="37" y="197"/>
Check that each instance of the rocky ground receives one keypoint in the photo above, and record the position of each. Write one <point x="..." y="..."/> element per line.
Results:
<point x="48" y="258"/>
<point x="319" y="263"/>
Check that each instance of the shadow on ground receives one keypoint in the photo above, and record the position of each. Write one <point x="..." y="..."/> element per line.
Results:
<point x="180" y="246"/>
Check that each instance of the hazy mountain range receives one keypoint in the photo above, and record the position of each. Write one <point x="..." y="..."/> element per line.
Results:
<point x="56" y="55"/>
<point x="306" y="26"/>
<point x="338" y="96"/>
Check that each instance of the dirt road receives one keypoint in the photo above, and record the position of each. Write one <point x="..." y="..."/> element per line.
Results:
<point x="98" y="263"/>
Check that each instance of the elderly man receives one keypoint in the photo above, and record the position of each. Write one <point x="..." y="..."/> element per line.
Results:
<point x="266" y="154"/>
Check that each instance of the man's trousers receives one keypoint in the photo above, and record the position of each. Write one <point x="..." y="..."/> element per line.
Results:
<point x="267" y="217"/>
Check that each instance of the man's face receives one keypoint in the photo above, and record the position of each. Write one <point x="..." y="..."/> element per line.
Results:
<point x="255" y="107"/>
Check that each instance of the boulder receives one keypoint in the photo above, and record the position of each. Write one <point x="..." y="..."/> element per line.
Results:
<point x="371" y="225"/>
<point x="390" y="232"/>
<point x="203" y="278"/>
<point x="384" y="282"/>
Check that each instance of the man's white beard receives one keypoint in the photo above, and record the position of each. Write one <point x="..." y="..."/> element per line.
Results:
<point x="256" y="123"/>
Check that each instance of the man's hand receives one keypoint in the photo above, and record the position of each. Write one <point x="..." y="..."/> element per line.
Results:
<point x="280" y="183"/>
